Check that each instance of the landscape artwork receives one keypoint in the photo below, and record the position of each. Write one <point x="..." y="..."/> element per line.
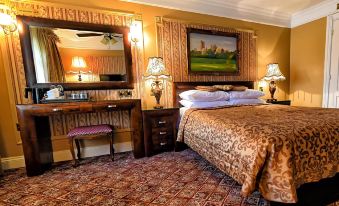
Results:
<point x="212" y="52"/>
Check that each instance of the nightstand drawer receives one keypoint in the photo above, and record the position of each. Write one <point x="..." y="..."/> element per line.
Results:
<point x="163" y="141"/>
<point x="165" y="121"/>
<point x="162" y="131"/>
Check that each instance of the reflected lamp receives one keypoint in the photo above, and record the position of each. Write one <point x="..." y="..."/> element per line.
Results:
<point x="79" y="63"/>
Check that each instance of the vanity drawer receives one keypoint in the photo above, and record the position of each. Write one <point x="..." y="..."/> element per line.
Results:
<point x="56" y="109"/>
<point x="109" y="107"/>
<point x="105" y="107"/>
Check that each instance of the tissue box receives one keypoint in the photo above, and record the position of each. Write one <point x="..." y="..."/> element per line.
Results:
<point x="53" y="94"/>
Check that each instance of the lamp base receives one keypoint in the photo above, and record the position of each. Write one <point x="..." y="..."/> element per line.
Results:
<point x="271" y="100"/>
<point x="158" y="107"/>
<point x="272" y="88"/>
<point x="156" y="91"/>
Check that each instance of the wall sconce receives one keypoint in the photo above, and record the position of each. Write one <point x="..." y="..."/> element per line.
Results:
<point x="7" y="21"/>
<point x="136" y="32"/>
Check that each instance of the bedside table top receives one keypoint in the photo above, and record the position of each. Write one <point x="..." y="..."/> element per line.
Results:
<point x="163" y="109"/>
<point x="283" y="102"/>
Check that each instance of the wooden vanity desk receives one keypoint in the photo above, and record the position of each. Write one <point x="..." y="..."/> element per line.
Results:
<point x="36" y="135"/>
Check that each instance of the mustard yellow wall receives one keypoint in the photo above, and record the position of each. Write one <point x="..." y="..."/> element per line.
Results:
<point x="68" y="53"/>
<point x="273" y="44"/>
<point x="8" y="141"/>
<point x="307" y="63"/>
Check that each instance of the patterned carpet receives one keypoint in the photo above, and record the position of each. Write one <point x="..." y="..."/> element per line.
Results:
<point x="174" y="178"/>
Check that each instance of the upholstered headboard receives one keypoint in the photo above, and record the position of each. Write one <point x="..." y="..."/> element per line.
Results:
<point x="179" y="87"/>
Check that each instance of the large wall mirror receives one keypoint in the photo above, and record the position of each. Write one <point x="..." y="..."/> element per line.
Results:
<point x="75" y="55"/>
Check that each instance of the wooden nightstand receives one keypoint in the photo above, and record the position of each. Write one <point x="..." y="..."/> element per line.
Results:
<point x="283" y="102"/>
<point x="160" y="130"/>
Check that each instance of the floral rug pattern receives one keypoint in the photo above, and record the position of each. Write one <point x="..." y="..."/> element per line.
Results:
<point x="172" y="178"/>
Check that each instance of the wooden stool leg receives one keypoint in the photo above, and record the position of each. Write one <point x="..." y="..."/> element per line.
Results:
<point x="111" y="146"/>
<point x="71" y="147"/>
<point x="77" y="143"/>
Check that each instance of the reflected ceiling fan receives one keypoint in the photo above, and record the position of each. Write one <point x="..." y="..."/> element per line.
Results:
<point x="108" y="38"/>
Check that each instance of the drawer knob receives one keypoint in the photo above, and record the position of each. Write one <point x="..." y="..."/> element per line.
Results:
<point x="163" y="143"/>
<point x="162" y="122"/>
<point x="56" y="110"/>
<point x="111" y="106"/>
<point x="163" y="133"/>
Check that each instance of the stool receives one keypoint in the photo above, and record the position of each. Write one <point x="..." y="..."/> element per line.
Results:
<point x="89" y="132"/>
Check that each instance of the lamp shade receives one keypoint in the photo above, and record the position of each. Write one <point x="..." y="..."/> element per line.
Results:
<point x="156" y="67"/>
<point x="273" y="73"/>
<point x="78" y="62"/>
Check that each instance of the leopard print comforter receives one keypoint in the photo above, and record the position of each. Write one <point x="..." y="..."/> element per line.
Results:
<point x="274" y="148"/>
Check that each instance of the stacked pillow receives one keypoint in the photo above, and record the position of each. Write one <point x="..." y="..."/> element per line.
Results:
<point x="249" y="96"/>
<point x="203" y="99"/>
<point x="206" y="99"/>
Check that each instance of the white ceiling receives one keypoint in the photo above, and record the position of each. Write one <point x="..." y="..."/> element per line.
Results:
<point x="273" y="12"/>
<point x="283" y="6"/>
<point x="69" y="39"/>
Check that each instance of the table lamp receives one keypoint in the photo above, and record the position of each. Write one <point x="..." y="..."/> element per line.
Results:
<point x="156" y="70"/>
<point x="273" y="74"/>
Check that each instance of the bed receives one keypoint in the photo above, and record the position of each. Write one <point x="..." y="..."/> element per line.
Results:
<point x="274" y="148"/>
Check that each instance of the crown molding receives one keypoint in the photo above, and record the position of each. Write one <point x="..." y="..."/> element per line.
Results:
<point x="223" y="8"/>
<point x="315" y="12"/>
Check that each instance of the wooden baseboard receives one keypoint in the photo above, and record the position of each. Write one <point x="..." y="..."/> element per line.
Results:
<point x="64" y="155"/>
<point x="1" y="171"/>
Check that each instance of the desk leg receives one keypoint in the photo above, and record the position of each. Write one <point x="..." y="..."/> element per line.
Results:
<point x="36" y="143"/>
<point x="137" y="137"/>
<point x="44" y="140"/>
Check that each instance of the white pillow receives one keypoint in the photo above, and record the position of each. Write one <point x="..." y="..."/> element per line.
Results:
<point x="204" y="96"/>
<point x="247" y="94"/>
<point x="246" y="101"/>
<point x="190" y="104"/>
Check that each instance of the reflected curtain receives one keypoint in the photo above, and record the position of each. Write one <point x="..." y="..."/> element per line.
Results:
<point x="46" y="55"/>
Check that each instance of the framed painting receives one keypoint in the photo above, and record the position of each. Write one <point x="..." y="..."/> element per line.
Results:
<point x="212" y="52"/>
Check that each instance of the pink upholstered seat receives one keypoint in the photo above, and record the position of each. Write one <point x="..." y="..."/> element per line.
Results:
<point x="90" y="130"/>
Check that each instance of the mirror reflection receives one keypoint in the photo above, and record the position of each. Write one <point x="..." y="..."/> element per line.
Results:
<point x="75" y="56"/>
